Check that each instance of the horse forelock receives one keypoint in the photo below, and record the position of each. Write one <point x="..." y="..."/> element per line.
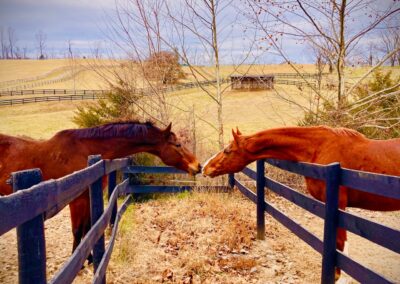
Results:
<point x="114" y="130"/>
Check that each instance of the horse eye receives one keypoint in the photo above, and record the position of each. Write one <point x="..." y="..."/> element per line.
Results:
<point x="178" y="145"/>
<point x="227" y="151"/>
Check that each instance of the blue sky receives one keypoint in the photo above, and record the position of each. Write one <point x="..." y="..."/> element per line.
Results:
<point x="83" y="22"/>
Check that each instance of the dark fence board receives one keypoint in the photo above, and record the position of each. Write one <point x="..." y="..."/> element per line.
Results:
<point x="157" y="189"/>
<point x="296" y="228"/>
<point x="383" y="185"/>
<point x="306" y="169"/>
<point x="377" y="233"/>
<point x="101" y="270"/>
<point x="50" y="196"/>
<point x="246" y="192"/>
<point x="96" y="212"/>
<point x="357" y="271"/>
<point x="153" y="170"/>
<point x="69" y="270"/>
<point x="116" y="164"/>
<point x="310" y="204"/>
<point x="250" y="173"/>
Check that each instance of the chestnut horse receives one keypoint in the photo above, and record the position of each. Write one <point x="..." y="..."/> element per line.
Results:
<point x="321" y="145"/>
<point x="69" y="149"/>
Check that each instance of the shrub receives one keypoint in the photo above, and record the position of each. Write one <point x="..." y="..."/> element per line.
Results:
<point x="373" y="109"/>
<point x="163" y="67"/>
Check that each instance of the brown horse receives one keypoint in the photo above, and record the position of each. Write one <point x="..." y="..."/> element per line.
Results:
<point x="321" y="145"/>
<point x="68" y="150"/>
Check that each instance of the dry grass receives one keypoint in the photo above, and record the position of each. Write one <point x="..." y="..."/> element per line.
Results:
<point x="199" y="236"/>
<point x="39" y="121"/>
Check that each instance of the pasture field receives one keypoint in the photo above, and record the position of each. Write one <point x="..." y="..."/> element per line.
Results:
<point x="198" y="237"/>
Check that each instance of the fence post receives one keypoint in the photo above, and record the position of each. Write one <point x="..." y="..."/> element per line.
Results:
<point x="231" y="180"/>
<point x="112" y="182"/>
<point x="30" y="235"/>
<point x="96" y="210"/>
<point x="331" y="223"/>
<point x="260" y="199"/>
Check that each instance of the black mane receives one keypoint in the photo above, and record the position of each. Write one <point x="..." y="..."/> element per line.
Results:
<point x="127" y="129"/>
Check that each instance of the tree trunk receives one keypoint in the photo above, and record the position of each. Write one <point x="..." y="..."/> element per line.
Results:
<point x="217" y="77"/>
<point x="341" y="56"/>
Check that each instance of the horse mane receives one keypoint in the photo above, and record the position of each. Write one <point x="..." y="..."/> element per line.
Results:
<point x="128" y="129"/>
<point x="341" y="131"/>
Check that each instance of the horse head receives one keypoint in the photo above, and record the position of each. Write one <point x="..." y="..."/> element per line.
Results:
<point x="173" y="153"/>
<point x="233" y="158"/>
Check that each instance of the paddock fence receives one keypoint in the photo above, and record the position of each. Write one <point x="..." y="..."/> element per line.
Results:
<point x="71" y="94"/>
<point x="34" y="201"/>
<point x="334" y="176"/>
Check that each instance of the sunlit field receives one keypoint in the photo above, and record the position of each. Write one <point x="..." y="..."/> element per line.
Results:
<point x="188" y="236"/>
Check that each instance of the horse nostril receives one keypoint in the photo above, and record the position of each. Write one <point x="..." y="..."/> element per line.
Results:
<point x="200" y="168"/>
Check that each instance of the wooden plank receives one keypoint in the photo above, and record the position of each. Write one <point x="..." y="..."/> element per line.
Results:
<point x="231" y="180"/>
<point x="377" y="233"/>
<point x="250" y="173"/>
<point x="30" y="235"/>
<point x="305" y="169"/>
<point x="112" y="183"/>
<point x="107" y="255"/>
<point x="384" y="185"/>
<point x="331" y="223"/>
<point x="96" y="211"/>
<point x="74" y="264"/>
<point x="260" y="200"/>
<point x="116" y="164"/>
<point x="157" y="189"/>
<point x="50" y="196"/>
<point x="357" y="271"/>
<point x="296" y="228"/>
<point x="153" y="170"/>
<point x="246" y="192"/>
<point x="310" y="204"/>
<point x="73" y="185"/>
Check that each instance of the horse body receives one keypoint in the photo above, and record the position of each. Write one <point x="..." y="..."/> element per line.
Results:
<point x="68" y="151"/>
<point x="321" y="145"/>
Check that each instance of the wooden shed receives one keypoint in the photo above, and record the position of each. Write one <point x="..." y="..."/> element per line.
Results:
<point x="252" y="82"/>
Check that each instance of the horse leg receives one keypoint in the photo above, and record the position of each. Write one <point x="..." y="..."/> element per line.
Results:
<point x="341" y="236"/>
<point x="80" y="219"/>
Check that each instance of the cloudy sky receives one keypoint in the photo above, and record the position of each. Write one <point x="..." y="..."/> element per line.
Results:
<point x="80" y="21"/>
<point x="84" y="22"/>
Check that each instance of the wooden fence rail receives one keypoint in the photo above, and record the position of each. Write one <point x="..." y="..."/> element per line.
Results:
<point x="71" y="95"/>
<point x="334" y="176"/>
<point x="34" y="201"/>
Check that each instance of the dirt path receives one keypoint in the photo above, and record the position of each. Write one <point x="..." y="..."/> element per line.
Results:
<point x="206" y="238"/>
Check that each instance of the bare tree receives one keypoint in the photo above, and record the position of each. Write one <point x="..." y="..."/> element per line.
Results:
<point x="3" y="43"/>
<point x="193" y="30"/>
<point x="41" y="38"/>
<point x="390" y="40"/>
<point x="331" y="27"/>
<point x="12" y="41"/>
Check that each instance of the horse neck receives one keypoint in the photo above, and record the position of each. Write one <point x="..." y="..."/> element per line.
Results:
<point x="292" y="143"/>
<point x="110" y="148"/>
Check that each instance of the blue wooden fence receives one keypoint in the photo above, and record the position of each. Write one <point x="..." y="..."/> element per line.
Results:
<point x="334" y="176"/>
<point x="34" y="201"/>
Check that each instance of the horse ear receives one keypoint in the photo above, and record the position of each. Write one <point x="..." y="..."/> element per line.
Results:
<point x="168" y="129"/>
<point x="238" y="131"/>
<point x="235" y="136"/>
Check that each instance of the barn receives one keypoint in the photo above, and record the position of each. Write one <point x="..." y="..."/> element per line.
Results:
<point x="252" y="82"/>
